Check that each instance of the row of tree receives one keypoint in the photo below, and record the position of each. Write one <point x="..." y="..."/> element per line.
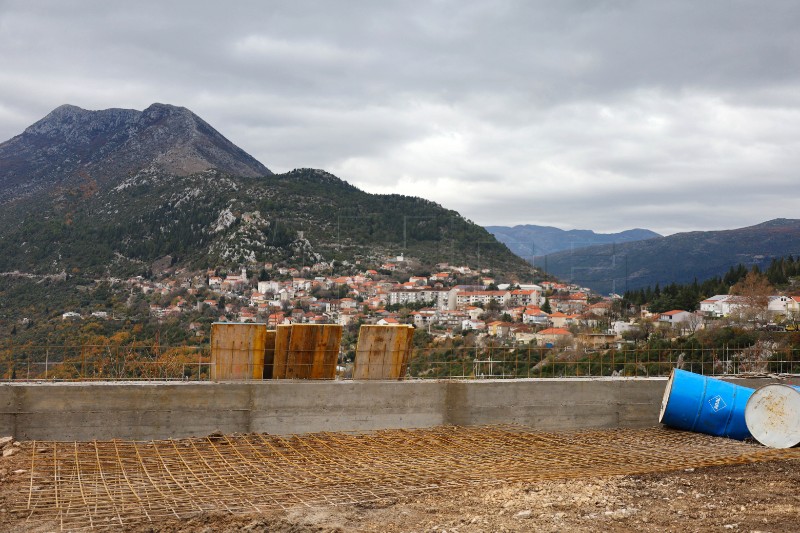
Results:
<point x="752" y="283"/>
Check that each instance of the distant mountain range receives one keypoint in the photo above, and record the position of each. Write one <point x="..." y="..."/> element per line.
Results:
<point x="110" y="192"/>
<point x="529" y="240"/>
<point x="677" y="258"/>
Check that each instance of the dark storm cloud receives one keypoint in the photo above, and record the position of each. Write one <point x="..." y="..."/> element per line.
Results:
<point x="597" y="114"/>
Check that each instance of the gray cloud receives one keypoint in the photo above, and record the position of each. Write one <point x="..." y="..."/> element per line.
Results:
<point x="593" y="114"/>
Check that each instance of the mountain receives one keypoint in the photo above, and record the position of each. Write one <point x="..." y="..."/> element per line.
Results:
<point x="72" y="146"/>
<point x="529" y="240"/>
<point x="680" y="258"/>
<point x="111" y="192"/>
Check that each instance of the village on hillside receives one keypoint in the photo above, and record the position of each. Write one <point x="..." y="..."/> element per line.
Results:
<point x="546" y="314"/>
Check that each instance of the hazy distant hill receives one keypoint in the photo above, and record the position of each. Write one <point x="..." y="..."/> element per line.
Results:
<point x="530" y="240"/>
<point x="679" y="258"/>
<point x="111" y="191"/>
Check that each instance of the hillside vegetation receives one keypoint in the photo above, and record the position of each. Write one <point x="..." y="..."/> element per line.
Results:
<point x="210" y="219"/>
<point x="678" y="258"/>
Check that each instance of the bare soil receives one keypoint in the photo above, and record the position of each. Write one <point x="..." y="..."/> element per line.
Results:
<point x="754" y="497"/>
<point x="759" y="497"/>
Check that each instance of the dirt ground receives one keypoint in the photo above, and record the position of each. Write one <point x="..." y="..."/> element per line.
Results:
<point x="753" y="497"/>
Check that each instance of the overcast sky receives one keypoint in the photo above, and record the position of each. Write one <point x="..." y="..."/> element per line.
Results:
<point x="603" y="114"/>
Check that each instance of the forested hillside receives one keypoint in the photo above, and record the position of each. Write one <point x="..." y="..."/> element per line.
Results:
<point x="210" y="219"/>
<point x="678" y="258"/>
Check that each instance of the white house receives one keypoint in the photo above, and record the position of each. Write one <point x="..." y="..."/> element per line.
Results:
<point x="713" y="306"/>
<point x="424" y="317"/>
<point x="534" y="315"/>
<point x="784" y="305"/>
<point x="619" y="327"/>
<point x="461" y="299"/>
<point x="675" y="316"/>
<point x="268" y="286"/>
<point x="472" y="324"/>
<point x="722" y="305"/>
<point x="732" y="303"/>
<point x="436" y="297"/>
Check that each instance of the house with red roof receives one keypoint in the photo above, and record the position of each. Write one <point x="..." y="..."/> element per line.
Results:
<point x="558" y="319"/>
<point x="524" y="297"/>
<point x="499" y="328"/>
<point x="676" y="316"/>
<point x="275" y="318"/>
<point x="599" y="308"/>
<point x="535" y="316"/>
<point x="554" y="337"/>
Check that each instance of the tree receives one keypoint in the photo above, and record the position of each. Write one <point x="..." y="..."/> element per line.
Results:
<point x="546" y="306"/>
<point x="754" y="292"/>
<point x="693" y="322"/>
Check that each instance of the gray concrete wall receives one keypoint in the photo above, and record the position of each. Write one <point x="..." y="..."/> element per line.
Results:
<point x="87" y="411"/>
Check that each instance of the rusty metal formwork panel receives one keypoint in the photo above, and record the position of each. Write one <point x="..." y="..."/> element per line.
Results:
<point x="269" y="353"/>
<point x="383" y="352"/>
<point x="283" y="335"/>
<point x="306" y="351"/>
<point x="237" y="351"/>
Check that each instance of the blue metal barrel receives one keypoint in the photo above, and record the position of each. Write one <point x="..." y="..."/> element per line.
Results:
<point x="706" y="405"/>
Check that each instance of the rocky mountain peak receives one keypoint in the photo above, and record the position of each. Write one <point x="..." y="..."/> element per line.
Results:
<point x="109" y="145"/>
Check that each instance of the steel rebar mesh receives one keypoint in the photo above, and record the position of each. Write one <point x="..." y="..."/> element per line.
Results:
<point x="109" y="484"/>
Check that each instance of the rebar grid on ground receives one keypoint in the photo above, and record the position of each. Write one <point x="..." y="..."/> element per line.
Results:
<point x="104" y="485"/>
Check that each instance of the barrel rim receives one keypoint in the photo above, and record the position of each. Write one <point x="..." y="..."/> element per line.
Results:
<point x="791" y="436"/>
<point x="665" y="398"/>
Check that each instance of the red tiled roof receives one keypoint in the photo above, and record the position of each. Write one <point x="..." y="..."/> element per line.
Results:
<point x="555" y="331"/>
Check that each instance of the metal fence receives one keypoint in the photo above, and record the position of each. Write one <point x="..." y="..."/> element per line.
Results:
<point x="87" y="362"/>
<point x="536" y="362"/>
<point x="108" y="362"/>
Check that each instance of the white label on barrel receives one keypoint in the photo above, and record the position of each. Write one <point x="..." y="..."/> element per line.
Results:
<point x="717" y="403"/>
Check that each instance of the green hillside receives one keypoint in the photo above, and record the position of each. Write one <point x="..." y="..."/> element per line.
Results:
<point x="678" y="258"/>
<point x="210" y="219"/>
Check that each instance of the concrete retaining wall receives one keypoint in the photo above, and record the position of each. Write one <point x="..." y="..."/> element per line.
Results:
<point x="87" y="411"/>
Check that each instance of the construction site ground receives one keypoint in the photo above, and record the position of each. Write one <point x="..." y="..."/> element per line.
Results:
<point x="441" y="479"/>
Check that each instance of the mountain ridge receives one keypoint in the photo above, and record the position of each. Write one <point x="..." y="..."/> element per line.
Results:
<point x="679" y="258"/>
<point x="71" y="145"/>
<point x="529" y="240"/>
